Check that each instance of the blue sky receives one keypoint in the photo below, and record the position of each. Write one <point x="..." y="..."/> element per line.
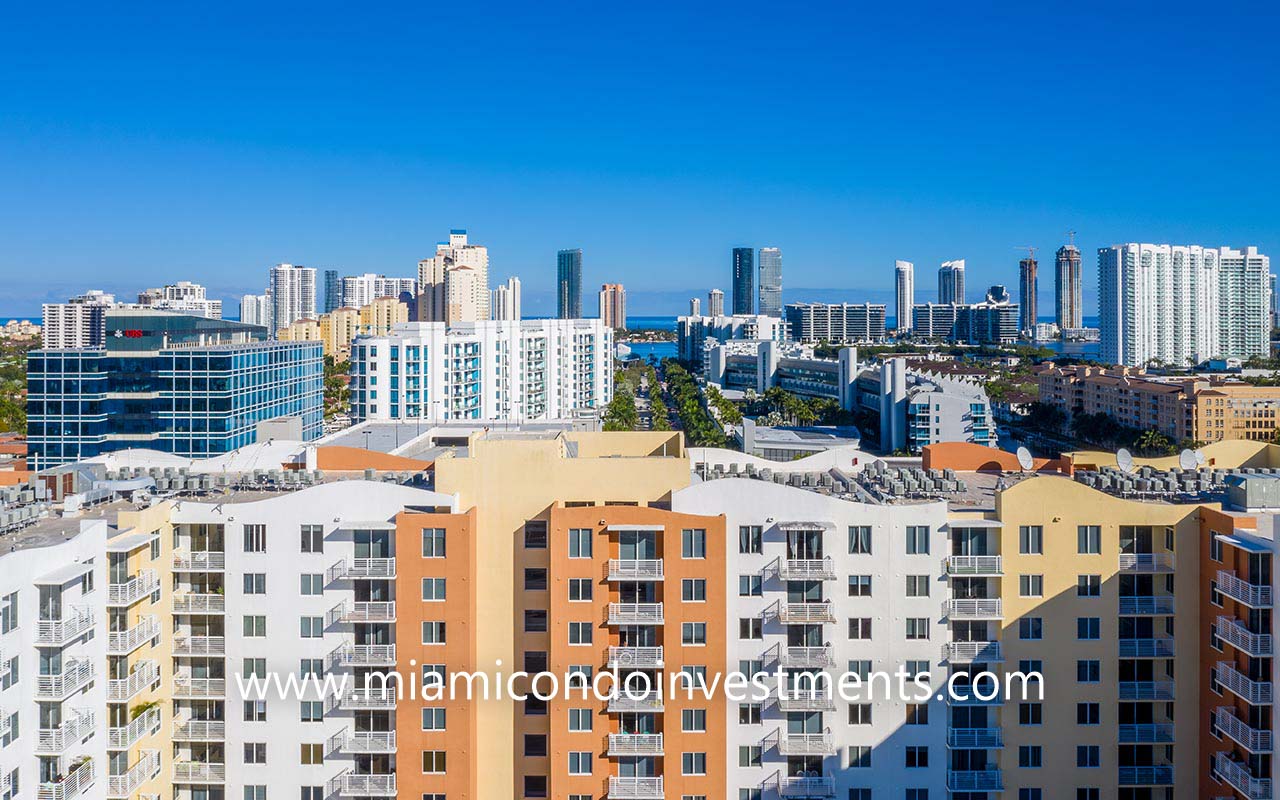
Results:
<point x="139" y="145"/>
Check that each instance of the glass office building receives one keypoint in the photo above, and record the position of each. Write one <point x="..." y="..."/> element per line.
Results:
<point x="185" y="385"/>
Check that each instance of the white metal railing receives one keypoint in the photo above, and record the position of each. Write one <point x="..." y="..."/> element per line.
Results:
<point x="621" y="788"/>
<point x="807" y="569"/>
<point x="1258" y="693"/>
<point x="74" y="675"/>
<point x="145" y="673"/>
<point x="1146" y="776"/>
<point x="349" y="784"/>
<point x="635" y="613"/>
<point x="1146" y="690"/>
<point x="74" y="623"/>
<point x="131" y="591"/>
<point x="972" y="652"/>
<point x="197" y="603"/>
<point x="806" y="613"/>
<point x="635" y="744"/>
<point x="1145" y="562"/>
<point x="806" y="700"/>
<point x="1235" y="633"/>
<point x="635" y="569"/>
<point x="73" y="785"/>
<point x="200" y="645"/>
<point x="51" y="741"/>
<point x="363" y="569"/>
<point x="1161" y="604"/>
<point x="367" y="699"/>
<point x="806" y="744"/>
<point x="127" y="783"/>
<point x="199" y="687"/>
<point x="1236" y="773"/>
<point x="1255" y="740"/>
<point x="1147" y="733"/>
<point x="635" y="656"/>
<point x="975" y="780"/>
<point x="1150" y="647"/>
<point x="807" y="786"/>
<point x="808" y="657"/>
<point x="199" y="772"/>
<point x="975" y="608"/>
<point x="364" y="655"/>
<point x="972" y="565"/>
<point x="369" y="742"/>
<point x="125" y="736"/>
<point x="199" y="730"/>
<point x="975" y="738"/>
<point x="200" y="561"/>
<point x="121" y="643"/>
<point x="1254" y="595"/>
<point x="651" y="702"/>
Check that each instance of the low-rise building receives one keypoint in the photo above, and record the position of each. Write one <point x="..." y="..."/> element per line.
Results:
<point x="916" y="409"/>
<point x="694" y="335"/>
<point x="758" y="365"/>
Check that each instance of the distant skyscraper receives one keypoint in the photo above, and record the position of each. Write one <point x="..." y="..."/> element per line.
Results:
<point x="506" y="300"/>
<point x="951" y="282"/>
<point x="293" y="294"/>
<point x="695" y="307"/>
<point x="613" y="306"/>
<point x="904" y="282"/>
<point x="332" y="290"/>
<point x="770" y="282"/>
<point x="715" y="303"/>
<point x="1275" y="303"/>
<point x="80" y="322"/>
<point x="569" y="284"/>
<point x="744" y="271"/>
<point x="1027" y="287"/>
<point x="359" y="291"/>
<point x="470" y="297"/>
<point x="1066" y="288"/>
<point x="255" y="309"/>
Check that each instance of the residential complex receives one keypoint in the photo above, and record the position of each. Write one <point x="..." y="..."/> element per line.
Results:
<point x="695" y="334"/>
<point x="770" y="286"/>
<point x="453" y="284"/>
<point x="993" y="321"/>
<point x="904" y="294"/>
<point x="337" y="329"/>
<point x="80" y="322"/>
<point x="837" y="323"/>
<point x="741" y="365"/>
<point x="184" y="297"/>
<point x="506" y="300"/>
<point x="292" y="294"/>
<point x="1068" y="301"/>
<point x="715" y="303"/>
<point x="569" y="284"/>
<point x="361" y="290"/>
<point x="744" y="276"/>
<point x="916" y="407"/>
<point x="951" y="282"/>
<point x="613" y="306"/>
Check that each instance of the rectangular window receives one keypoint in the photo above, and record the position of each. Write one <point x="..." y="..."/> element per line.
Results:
<point x="1031" y="585"/>
<point x="580" y="590"/>
<point x="1088" y="671"/>
<point x="255" y="583"/>
<point x="1030" y="628"/>
<point x="693" y="590"/>
<point x="693" y="720"/>
<point x="255" y="710"/>
<point x="535" y="579"/>
<point x="1088" y="585"/>
<point x="1031" y="540"/>
<point x="859" y="713"/>
<point x="917" y="713"/>
<point x="535" y="620"/>
<point x="255" y="538"/>
<point x="311" y="711"/>
<point x="535" y="534"/>
<point x="750" y="628"/>
<point x="579" y="762"/>
<point x="1088" y="755"/>
<point x="693" y="633"/>
<point x="1088" y="713"/>
<point x="1088" y="627"/>
<point x="1030" y="756"/>
<point x="693" y="763"/>
<point x="750" y="586"/>
<point x="433" y="632"/>
<point x="580" y="720"/>
<point x="312" y="754"/>
<point x="749" y="755"/>
<point x="433" y="762"/>
<point x="859" y="585"/>
<point x="312" y="627"/>
<point x="433" y="719"/>
<point x="433" y="590"/>
<point x="255" y="752"/>
<point x="917" y="757"/>
<point x="917" y="586"/>
<point x="860" y="628"/>
<point x="1030" y="714"/>
<point x="749" y="713"/>
<point x="860" y="540"/>
<point x="579" y="633"/>
<point x="313" y="538"/>
<point x="312" y="584"/>
<point x="433" y="543"/>
<point x="860" y="757"/>
<point x="255" y="626"/>
<point x="917" y="628"/>
<point x="693" y="543"/>
<point x="750" y="539"/>
<point x="580" y="542"/>
<point x="1089" y="539"/>
<point x="917" y="540"/>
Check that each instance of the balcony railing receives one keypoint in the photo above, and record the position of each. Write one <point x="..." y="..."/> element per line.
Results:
<point x="1237" y="775"/>
<point x="54" y="741"/>
<point x="635" y="788"/>
<point x="1254" y="740"/>
<point x="972" y="652"/>
<point x="368" y="611"/>
<point x="808" y="657"/>
<point x="975" y="738"/>
<point x="1146" y="776"/>
<point x="121" y="690"/>
<point x="56" y="632"/>
<point x="806" y="700"/>
<point x="1151" y="647"/>
<point x="1236" y="634"/>
<point x="651" y="702"/>
<point x="806" y="613"/>
<point x="635" y="744"/>
<point x="1147" y="733"/>
<point x="1146" y="690"/>
<point x="806" y="744"/>
<point x="974" y="566"/>
<point x="199" y="687"/>
<point x="200" y="561"/>
<point x="807" y="786"/>
<point x="973" y="609"/>
<point x="121" y="643"/>
<point x="1254" y="595"/>
<point x="635" y="613"/>
<point x="640" y="657"/>
<point x="128" y="782"/>
<point x="194" y="603"/>
<point x="199" y="730"/>
<point x="366" y="741"/>
<point x="74" y="676"/>
<point x="367" y="699"/>
<point x="200" y="645"/>
<point x="126" y="736"/>
<point x="1145" y="562"/>
<point x="635" y="569"/>
<point x="362" y="569"/>
<point x="975" y="780"/>
<point x="807" y="569"/>
<point x="1258" y="693"/>
<point x="73" y="785"/>
<point x="199" y="772"/>
<point x="131" y="591"/>
<point x="364" y="655"/>
<point x="349" y="784"/>
<point x="1149" y="605"/>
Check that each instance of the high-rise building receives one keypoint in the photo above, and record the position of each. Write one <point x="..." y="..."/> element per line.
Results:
<point x="470" y="297"/>
<point x="993" y="321"/>
<point x="255" y="309"/>
<point x="293" y="294"/>
<point x="770" y="281"/>
<point x="183" y="297"/>
<point x="569" y="284"/>
<point x="904" y="284"/>
<point x="332" y="290"/>
<point x="359" y="291"/>
<point x="1066" y="289"/>
<point x="1028" y="285"/>
<point x="613" y="306"/>
<point x="715" y="303"/>
<point x="836" y="323"/>
<point x="744" y="273"/>
<point x="1275" y="303"/>
<point x="1181" y="305"/>
<point x="506" y="300"/>
<point x="951" y="282"/>
<point x="695" y="307"/>
<point x="79" y="322"/>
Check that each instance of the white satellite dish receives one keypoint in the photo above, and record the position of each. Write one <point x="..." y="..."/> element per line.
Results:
<point x="1187" y="459"/>
<point x="1024" y="458"/>
<point x="1200" y="457"/>
<point x="1124" y="460"/>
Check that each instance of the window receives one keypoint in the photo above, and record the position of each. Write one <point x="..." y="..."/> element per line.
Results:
<point x="580" y="542"/>
<point x="749" y="755"/>
<point x="580" y="633"/>
<point x="693" y="590"/>
<point x="917" y="540"/>
<point x="580" y="720"/>
<point x="748" y="793"/>
<point x="1088" y="585"/>
<point x="311" y="754"/>
<point x="9" y="612"/>
<point x="917" y="627"/>
<point x="535" y="785"/>
<point x="860" y="756"/>
<point x="917" y="757"/>
<point x="750" y="628"/>
<point x="1088" y="794"/>
<point x="912" y="794"/>
<point x="310" y="711"/>
<point x="1030" y="714"/>
<point x="433" y="762"/>
<point x="255" y="626"/>
<point x="1030" y="628"/>
<point x="255" y="752"/>
<point x="580" y="590"/>
<point x="535" y="620"/>
<point x="1088" y="671"/>
<point x="751" y="666"/>
<point x="579" y="762"/>
<point x="860" y="540"/>
<point x="750" y="586"/>
<point x="1031" y="585"/>
<point x="1030" y="756"/>
<point x="254" y="668"/>
<point x="1031" y="540"/>
<point x="433" y="543"/>
<point x="859" y="713"/>
<point x="312" y="538"/>
<point x="1089" y="539"/>
<point x="693" y="720"/>
<point x="860" y="628"/>
<point x="312" y="627"/>
<point x="255" y="710"/>
<point x="311" y="668"/>
<point x="1088" y="627"/>
<point x="255" y="583"/>
<point x="1088" y="713"/>
<point x="255" y="538"/>
<point x="535" y="534"/>
<point x="865" y="794"/>
<point x="750" y="539"/>
<point x="915" y="668"/>
<point x="433" y="590"/>
<point x="535" y="661"/>
<point x="693" y="633"/>
<point x="1215" y="549"/>
<point x="255" y="792"/>
<point x="693" y="763"/>
<point x="535" y="579"/>
<point x="433" y="632"/>
<point x="1088" y="755"/>
<point x="693" y="543"/>
<point x="860" y="668"/>
<point x="917" y="713"/>
<point x="1032" y="793"/>
<point x="917" y="586"/>
<point x="859" y="585"/>
<point x="312" y="584"/>
<point x="317" y="793"/>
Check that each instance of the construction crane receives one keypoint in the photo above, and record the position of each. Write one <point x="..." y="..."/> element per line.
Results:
<point x="1031" y="251"/>
<point x="1071" y="238"/>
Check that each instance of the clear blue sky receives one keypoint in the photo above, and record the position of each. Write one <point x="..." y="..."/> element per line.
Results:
<point x="209" y="142"/>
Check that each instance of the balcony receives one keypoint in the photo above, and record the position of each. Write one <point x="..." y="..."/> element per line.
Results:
<point x="1152" y="647"/>
<point x="975" y="738"/>
<point x="975" y="780"/>
<point x="1149" y="733"/>
<point x="200" y="561"/>
<point x="187" y="687"/>
<point x="76" y="782"/>
<point x="1146" y="776"/>
<point x="1149" y="605"/>
<point x="364" y="655"/>
<point x="1258" y="693"/>
<point x="1145" y="562"/>
<point x="365" y="742"/>
<point x="638" y="657"/>
<point x="972" y="653"/>
<point x="808" y="657"/>
<point x="807" y="786"/>
<point x="635" y="744"/>
<point x="1233" y="632"/>
<point x="1147" y="690"/>
<point x="973" y="609"/>
<point x="367" y="699"/>
<point x="362" y="569"/>
<point x="1253" y="595"/>
<point x="635" y="614"/>
<point x="199" y="772"/>
<point x="127" y="783"/>
<point x="806" y="613"/>
<point x="806" y="744"/>
<point x="75" y="676"/>
<point x="58" y="632"/>
<point x="131" y="591"/>
<point x="635" y="569"/>
<point x="1252" y="739"/>
<point x="56" y="741"/>
<point x="649" y="703"/>
<point x="973" y="566"/>
<point x="200" y="646"/>
<point x="349" y="784"/>
<point x="807" y="569"/>
<point x="199" y="730"/>
<point x="635" y="788"/>
<point x="1236" y="774"/>
<point x="194" y="603"/>
<point x="121" y="690"/>
<point x="806" y="700"/>
<point x="125" y="737"/>
<point x="122" y="643"/>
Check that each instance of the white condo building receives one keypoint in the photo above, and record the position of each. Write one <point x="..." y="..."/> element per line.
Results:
<point x="454" y="282"/>
<point x="904" y="286"/>
<point x="184" y="297"/>
<point x="1182" y="305"/>
<point x="492" y="370"/>
<point x="255" y="309"/>
<point x="80" y="322"/>
<point x="505" y="304"/>
<point x="293" y="295"/>
<point x="359" y="291"/>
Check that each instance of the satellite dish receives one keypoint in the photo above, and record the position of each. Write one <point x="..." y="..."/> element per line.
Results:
<point x="1187" y="459"/>
<point x="1200" y="458"/>
<point x="1024" y="458"/>
<point x="1124" y="460"/>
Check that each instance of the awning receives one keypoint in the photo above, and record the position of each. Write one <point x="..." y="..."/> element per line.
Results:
<point x="658" y="528"/>
<point x="129" y="542"/>
<point x="64" y="574"/>
<point x="1245" y="542"/>
<point x="803" y="525"/>
<point x="974" y="523"/>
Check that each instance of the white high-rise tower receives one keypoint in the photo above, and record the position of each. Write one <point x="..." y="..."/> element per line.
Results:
<point x="904" y="283"/>
<point x="293" y="295"/>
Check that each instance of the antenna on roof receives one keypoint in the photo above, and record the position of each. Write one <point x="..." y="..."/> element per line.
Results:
<point x="1187" y="459"/>
<point x="1124" y="460"/>
<point x="1071" y="238"/>
<point x="1025" y="460"/>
